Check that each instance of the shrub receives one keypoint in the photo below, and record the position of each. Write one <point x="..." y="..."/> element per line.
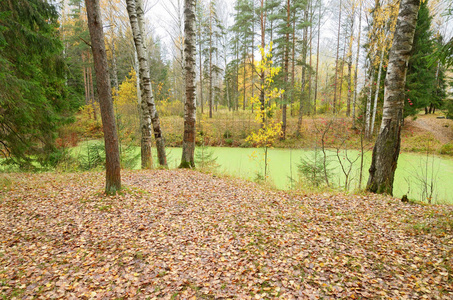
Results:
<point x="447" y="149"/>
<point x="313" y="171"/>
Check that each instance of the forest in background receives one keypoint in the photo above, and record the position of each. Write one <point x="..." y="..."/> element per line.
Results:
<point x="256" y="80"/>
<point x="327" y="59"/>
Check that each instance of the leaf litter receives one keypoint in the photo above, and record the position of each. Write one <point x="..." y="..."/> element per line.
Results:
<point x="181" y="234"/>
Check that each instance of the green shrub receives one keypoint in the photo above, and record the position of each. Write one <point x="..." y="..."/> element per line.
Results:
<point x="227" y="134"/>
<point x="447" y="149"/>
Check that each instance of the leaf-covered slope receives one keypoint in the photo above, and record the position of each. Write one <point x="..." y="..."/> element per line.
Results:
<point x="183" y="233"/>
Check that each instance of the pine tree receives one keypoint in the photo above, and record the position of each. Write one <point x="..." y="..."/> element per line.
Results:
<point x="112" y="155"/>
<point x="212" y="31"/>
<point x="242" y="28"/>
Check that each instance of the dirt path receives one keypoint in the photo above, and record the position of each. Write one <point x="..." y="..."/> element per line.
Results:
<point x="442" y="129"/>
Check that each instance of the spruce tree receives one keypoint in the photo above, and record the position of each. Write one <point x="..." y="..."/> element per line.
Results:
<point x="421" y="74"/>
<point x="33" y="96"/>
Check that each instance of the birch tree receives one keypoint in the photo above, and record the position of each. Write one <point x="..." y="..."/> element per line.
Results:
<point x="386" y="150"/>
<point x="135" y="12"/>
<point x="188" y="142"/>
<point x="354" y="100"/>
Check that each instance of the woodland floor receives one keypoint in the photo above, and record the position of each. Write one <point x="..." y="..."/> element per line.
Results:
<point x="181" y="234"/>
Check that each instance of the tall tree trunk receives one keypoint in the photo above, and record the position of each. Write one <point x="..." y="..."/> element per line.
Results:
<point x="336" y="63"/>
<point x="112" y="156"/>
<point x="262" y="75"/>
<point x="286" y="69"/>
<point x="303" y="76"/>
<point x="252" y="65"/>
<point x="190" y="109"/>
<point x="376" y="93"/>
<point x="293" y="63"/>
<point x="201" y="76"/>
<point x="309" y="55"/>
<point x="145" y="124"/>
<point x="210" y="62"/>
<point x="85" y="81"/>
<point x="135" y="12"/>
<point x="114" y="65"/>
<point x="342" y="75"/>
<point x="245" y="74"/>
<point x="91" y="90"/>
<point x="387" y="148"/>
<point x="317" y="59"/>
<point x="354" y="101"/>
<point x="368" y="102"/>
<point x="351" y="40"/>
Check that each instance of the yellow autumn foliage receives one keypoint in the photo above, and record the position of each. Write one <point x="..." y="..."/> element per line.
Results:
<point x="269" y="129"/>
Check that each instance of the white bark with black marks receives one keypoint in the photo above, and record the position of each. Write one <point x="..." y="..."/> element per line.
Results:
<point x="188" y="143"/>
<point x="135" y="12"/>
<point x="386" y="150"/>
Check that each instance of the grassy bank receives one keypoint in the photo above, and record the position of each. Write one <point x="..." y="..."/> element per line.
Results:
<point x="230" y="129"/>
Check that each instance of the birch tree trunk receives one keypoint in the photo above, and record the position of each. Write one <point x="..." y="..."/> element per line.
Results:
<point x="351" y="40"/>
<point x="135" y="13"/>
<point x="188" y="142"/>
<point x="376" y="93"/>
<point x="201" y="74"/>
<point x="354" y="100"/>
<point x="112" y="156"/>
<point x="368" y="102"/>
<point x="293" y="62"/>
<point x="342" y="75"/>
<point x="145" y="124"/>
<point x="317" y="59"/>
<point x="387" y="148"/>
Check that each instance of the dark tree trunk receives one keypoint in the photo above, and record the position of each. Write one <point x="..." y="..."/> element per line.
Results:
<point x="263" y="45"/>
<point x="286" y="69"/>
<point x="387" y="147"/>
<point x="303" y="76"/>
<point x="336" y="64"/>
<point x="112" y="164"/>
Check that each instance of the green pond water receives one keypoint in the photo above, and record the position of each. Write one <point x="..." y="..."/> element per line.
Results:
<point x="414" y="173"/>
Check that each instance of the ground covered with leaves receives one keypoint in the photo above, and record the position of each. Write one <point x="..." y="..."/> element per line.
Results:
<point x="186" y="235"/>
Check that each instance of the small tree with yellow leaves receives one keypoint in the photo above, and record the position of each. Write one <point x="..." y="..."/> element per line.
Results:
<point x="269" y="128"/>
